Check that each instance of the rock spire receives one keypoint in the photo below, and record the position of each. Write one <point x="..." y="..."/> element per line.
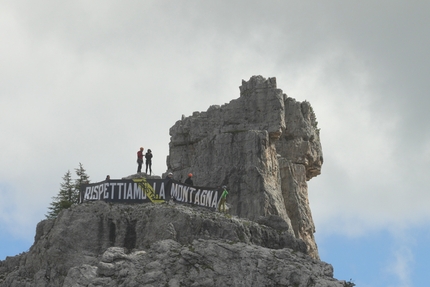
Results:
<point x="264" y="146"/>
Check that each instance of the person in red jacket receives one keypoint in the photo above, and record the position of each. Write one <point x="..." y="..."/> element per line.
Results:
<point x="140" y="159"/>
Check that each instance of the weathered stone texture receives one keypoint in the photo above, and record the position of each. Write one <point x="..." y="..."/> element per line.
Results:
<point x="204" y="263"/>
<point x="102" y="244"/>
<point x="264" y="146"/>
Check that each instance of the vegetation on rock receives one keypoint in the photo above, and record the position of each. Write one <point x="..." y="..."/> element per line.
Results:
<point x="69" y="192"/>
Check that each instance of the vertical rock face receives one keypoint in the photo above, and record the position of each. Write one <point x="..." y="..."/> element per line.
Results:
<point x="264" y="146"/>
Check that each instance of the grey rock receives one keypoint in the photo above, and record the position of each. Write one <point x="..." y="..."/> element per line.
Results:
<point x="80" y="276"/>
<point x="102" y="244"/>
<point x="215" y="263"/>
<point x="141" y="175"/>
<point x="264" y="146"/>
<point x="113" y="254"/>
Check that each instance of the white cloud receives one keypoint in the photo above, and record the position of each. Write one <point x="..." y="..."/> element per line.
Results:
<point x="402" y="260"/>
<point x="91" y="82"/>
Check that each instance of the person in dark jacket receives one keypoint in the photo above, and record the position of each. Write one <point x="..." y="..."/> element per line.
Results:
<point x="189" y="181"/>
<point x="140" y="159"/>
<point x="148" y="157"/>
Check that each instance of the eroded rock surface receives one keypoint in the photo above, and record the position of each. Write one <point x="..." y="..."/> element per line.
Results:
<point x="102" y="244"/>
<point x="264" y="146"/>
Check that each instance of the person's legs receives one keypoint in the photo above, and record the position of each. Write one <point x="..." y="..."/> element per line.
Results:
<point x="222" y="205"/>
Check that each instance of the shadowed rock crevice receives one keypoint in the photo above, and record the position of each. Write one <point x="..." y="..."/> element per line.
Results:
<point x="112" y="232"/>
<point x="130" y="235"/>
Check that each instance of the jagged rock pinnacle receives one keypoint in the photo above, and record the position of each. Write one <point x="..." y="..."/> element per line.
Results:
<point x="264" y="146"/>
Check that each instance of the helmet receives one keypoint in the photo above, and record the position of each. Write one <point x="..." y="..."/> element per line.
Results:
<point x="224" y="186"/>
<point x="190" y="175"/>
<point x="170" y="173"/>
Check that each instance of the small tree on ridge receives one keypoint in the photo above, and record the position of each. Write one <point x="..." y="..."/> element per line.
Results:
<point x="69" y="192"/>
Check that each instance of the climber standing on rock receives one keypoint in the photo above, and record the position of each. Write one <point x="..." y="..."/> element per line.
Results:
<point x="189" y="181"/>
<point x="140" y="159"/>
<point x="223" y="199"/>
<point x="148" y="157"/>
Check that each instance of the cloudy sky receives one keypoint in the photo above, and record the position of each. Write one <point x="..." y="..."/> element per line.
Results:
<point x="91" y="81"/>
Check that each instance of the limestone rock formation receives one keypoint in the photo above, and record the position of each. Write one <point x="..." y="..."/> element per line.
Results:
<point x="102" y="244"/>
<point x="264" y="146"/>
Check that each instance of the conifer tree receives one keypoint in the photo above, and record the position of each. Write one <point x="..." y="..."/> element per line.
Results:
<point x="69" y="192"/>
<point x="82" y="179"/>
<point x="65" y="196"/>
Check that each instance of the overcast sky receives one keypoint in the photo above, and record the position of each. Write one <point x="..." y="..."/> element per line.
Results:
<point x="91" y="81"/>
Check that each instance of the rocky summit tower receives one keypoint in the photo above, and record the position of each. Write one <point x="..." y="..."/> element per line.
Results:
<point x="264" y="146"/>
